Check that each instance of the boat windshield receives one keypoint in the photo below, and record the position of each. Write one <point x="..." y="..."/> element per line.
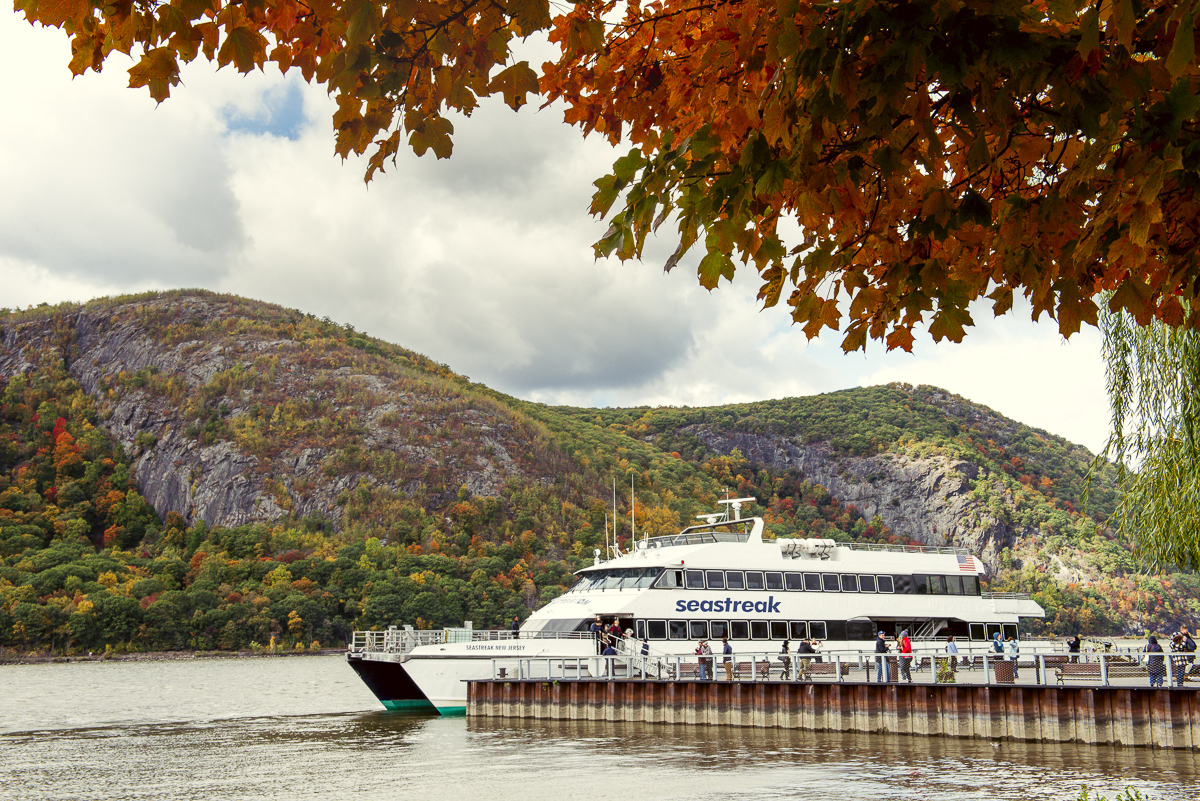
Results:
<point x="623" y="578"/>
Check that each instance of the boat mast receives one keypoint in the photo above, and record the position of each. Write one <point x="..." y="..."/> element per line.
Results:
<point x="632" y="513"/>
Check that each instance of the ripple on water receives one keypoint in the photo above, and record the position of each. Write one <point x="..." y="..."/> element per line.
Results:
<point x="306" y="729"/>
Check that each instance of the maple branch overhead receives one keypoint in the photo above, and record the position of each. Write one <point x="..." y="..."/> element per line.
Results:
<point x="1032" y="147"/>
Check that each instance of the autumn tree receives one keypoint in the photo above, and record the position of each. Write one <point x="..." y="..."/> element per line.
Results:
<point x="880" y="165"/>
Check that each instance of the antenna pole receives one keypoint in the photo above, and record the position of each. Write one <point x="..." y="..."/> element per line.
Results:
<point x="614" y="490"/>
<point x="632" y="512"/>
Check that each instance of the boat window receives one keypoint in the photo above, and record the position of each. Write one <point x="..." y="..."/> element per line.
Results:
<point x="904" y="584"/>
<point x="699" y="629"/>
<point x="921" y="584"/>
<point x="774" y="581"/>
<point x="754" y="580"/>
<point x="759" y="630"/>
<point x="861" y="630"/>
<point x="639" y="629"/>
<point x="885" y="584"/>
<point x="977" y="632"/>
<point x="812" y="582"/>
<point x="670" y="579"/>
<point x="589" y="580"/>
<point x="849" y="583"/>
<point x="734" y="580"/>
<point x="954" y="585"/>
<point x="937" y="585"/>
<point x="716" y="579"/>
<point x="836" y="630"/>
<point x="799" y="630"/>
<point x="779" y="630"/>
<point x="719" y="629"/>
<point x="656" y="629"/>
<point x="647" y="578"/>
<point x="830" y="583"/>
<point x="612" y="581"/>
<point x="866" y="584"/>
<point x="739" y="630"/>
<point x="695" y="579"/>
<point x="992" y="630"/>
<point x="970" y="585"/>
<point x="816" y="629"/>
<point x="1010" y="630"/>
<point x="794" y="581"/>
<point x="678" y="629"/>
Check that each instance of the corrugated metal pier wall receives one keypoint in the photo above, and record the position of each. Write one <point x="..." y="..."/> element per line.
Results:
<point x="1125" y="716"/>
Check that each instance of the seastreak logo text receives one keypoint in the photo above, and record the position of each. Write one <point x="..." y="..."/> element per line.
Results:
<point x="769" y="606"/>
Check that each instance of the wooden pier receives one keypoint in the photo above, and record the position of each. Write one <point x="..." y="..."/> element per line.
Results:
<point x="1120" y="716"/>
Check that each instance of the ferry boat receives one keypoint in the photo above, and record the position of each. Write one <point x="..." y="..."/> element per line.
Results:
<point x="719" y="579"/>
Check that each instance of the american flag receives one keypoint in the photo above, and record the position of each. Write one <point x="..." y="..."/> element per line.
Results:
<point x="966" y="563"/>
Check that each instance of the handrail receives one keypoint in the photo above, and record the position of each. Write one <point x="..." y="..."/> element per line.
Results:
<point x="401" y="641"/>
<point x="1131" y="669"/>
<point x="874" y="546"/>
<point x="1009" y="596"/>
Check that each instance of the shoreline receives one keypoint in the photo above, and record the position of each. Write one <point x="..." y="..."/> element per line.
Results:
<point x="157" y="656"/>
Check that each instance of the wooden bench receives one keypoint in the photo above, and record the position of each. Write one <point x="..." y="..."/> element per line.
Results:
<point x="827" y="669"/>
<point x="1078" y="671"/>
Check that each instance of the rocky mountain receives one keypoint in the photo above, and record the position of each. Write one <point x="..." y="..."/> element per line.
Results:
<point x="234" y="411"/>
<point x="185" y="467"/>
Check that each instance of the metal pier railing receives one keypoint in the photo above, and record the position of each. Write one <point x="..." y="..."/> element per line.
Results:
<point x="1117" y="669"/>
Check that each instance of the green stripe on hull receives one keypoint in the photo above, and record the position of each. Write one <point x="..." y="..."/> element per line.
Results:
<point x="449" y="711"/>
<point x="420" y="705"/>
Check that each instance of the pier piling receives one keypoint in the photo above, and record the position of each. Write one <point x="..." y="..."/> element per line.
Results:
<point x="1119" y="716"/>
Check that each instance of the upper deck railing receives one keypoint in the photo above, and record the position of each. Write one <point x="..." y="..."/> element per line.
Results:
<point x="697" y="538"/>
<point x="871" y="546"/>
<point x="401" y="641"/>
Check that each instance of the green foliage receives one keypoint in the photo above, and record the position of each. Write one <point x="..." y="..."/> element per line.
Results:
<point x="86" y="564"/>
<point x="1154" y="392"/>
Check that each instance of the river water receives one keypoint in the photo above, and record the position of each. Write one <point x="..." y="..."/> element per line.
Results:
<point x="305" y="728"/>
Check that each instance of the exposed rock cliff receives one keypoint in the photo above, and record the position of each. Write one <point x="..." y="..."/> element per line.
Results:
<point x="924" y="499"/>
<point x="229" y="419"/>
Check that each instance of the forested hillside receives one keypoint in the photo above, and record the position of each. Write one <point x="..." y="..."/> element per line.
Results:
<point x="191" y="471"/>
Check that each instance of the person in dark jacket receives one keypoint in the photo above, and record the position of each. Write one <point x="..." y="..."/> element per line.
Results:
<point x="881" y="647"/>
<point x="1155" y="663"/>
<point x="516" y="628"/>
<point x="598" y="633"/>
<point x="1073" y="645"/>
<point x="804" y="668"/>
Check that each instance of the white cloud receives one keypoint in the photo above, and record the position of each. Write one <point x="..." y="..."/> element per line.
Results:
<point x="483" y="261"/>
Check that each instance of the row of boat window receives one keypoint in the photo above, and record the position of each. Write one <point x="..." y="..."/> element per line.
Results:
<point x="840" y="630"/>
<point x="641" y="578"/>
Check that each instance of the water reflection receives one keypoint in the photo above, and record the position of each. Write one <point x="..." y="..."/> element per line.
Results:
<point x="307" y="729"/>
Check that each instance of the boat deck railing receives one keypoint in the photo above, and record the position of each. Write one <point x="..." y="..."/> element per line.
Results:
<point x="872" y="546"/>
<point x="696" y="538"/>
<point x="1121" y="668"/>
<point x="401" y="641"/>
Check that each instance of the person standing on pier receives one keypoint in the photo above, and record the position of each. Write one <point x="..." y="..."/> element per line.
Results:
<point x="786" y="660"/>
<point x="1155" y="666"/>
<point x="804" y="666"/>
<point x="906" y="656"/>
<point x="700" y="660"/>
<point x="1073" y="647"/>
<point x="1012" y="648"/>
<point x="881" y="647"/>
<point x="727" y="651"/>
<point x="1182" y="643"/>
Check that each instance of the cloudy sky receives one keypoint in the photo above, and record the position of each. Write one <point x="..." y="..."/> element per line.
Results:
<point x="482" y="262"/>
